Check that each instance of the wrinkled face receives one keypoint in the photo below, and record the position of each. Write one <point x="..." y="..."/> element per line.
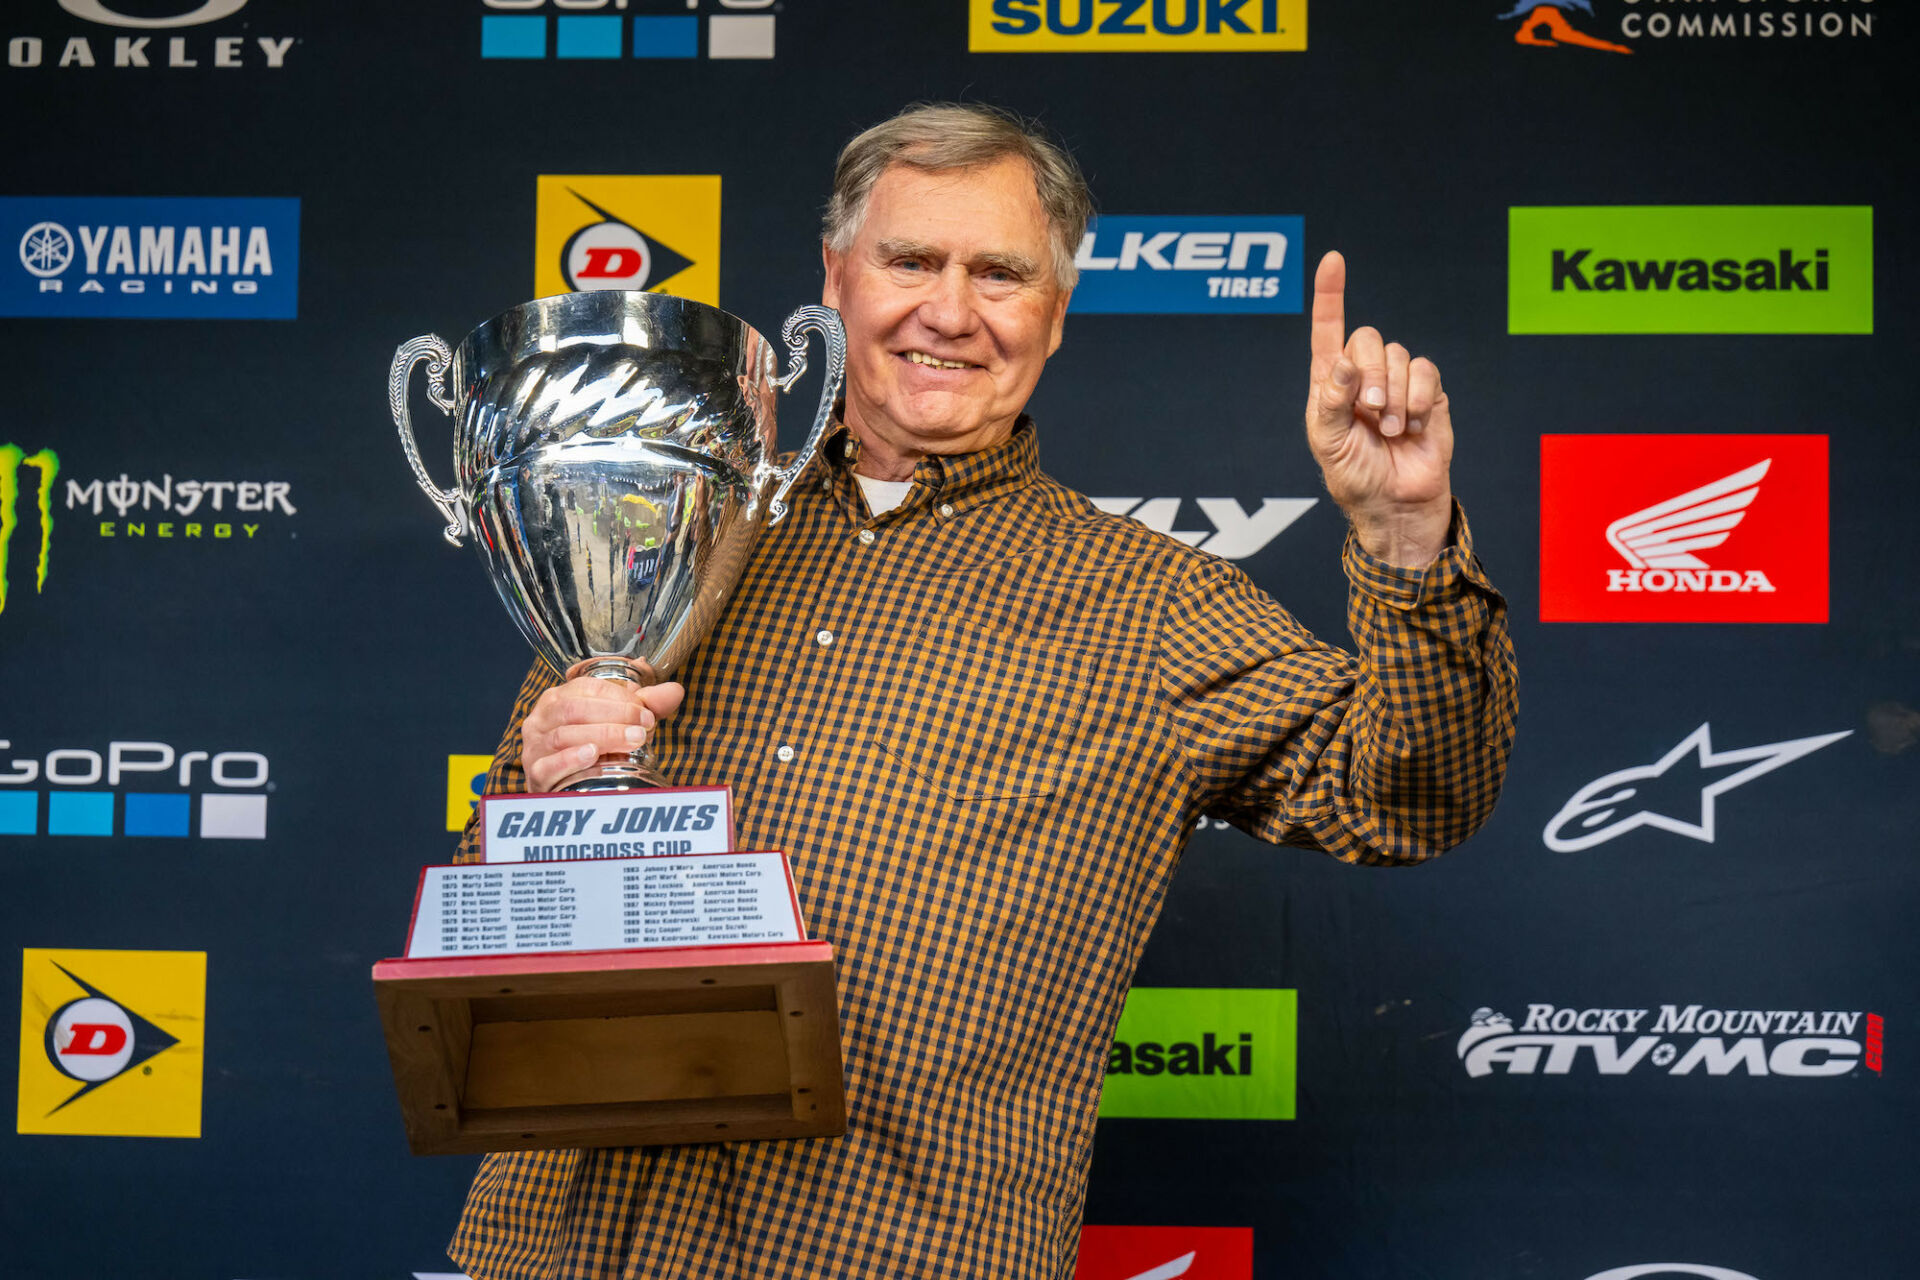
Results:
<point x="950" y="304"/>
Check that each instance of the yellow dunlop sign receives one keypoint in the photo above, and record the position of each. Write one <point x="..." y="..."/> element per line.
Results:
<point x="47" y="463"/>
<point x="1136" y="26"/>
<point x="466" y="776"/>
<point x="112" y="1042"/>
<point x="658" y="234"/>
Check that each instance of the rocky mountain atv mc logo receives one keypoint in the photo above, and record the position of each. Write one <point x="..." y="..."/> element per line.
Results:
<point x="1677" y="1041"/>
<point x="659" y="234"/>
<point x="112" y="1042"/>
<point x="1683" y="528"/>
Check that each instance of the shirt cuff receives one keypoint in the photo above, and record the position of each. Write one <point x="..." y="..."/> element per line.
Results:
<point x="1407" y="589"/>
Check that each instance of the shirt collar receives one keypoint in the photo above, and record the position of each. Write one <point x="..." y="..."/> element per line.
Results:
<point x="959" y="480"/>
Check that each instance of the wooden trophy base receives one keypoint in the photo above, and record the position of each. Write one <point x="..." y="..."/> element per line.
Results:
<point x="614" y="1048"/>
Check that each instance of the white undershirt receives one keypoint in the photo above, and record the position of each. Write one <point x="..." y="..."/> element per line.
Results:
<point x="883" y="495"/>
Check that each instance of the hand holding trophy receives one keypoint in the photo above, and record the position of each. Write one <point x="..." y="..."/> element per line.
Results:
<point x="614" y="458"/>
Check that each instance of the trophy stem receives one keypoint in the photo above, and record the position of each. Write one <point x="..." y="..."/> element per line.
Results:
<point x="633" y="770"/>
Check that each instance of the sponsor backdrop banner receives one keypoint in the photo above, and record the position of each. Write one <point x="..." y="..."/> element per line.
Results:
<point x="1655" y="1011"/>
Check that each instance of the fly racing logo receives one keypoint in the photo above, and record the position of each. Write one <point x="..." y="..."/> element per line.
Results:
<point x="1612" y="805"/>
<point x="1659" y="542"/>
<point x="46" y="463"/>
<point x="1236" y="533"/>
<point x="1190" y="265"/>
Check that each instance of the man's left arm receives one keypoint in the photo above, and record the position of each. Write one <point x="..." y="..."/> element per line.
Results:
<point x="1397" y="753"/>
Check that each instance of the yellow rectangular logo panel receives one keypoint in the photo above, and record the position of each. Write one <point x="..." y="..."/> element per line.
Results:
<point x="658" y="234"/>
<point x="112" y="1043"/>
<point x="1137" y="26"/>
<point x="466" y="778"/>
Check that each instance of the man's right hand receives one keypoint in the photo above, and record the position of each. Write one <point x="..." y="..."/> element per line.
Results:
<point x="574" y="724"/>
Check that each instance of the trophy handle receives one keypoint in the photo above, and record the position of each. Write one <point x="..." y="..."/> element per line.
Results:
<point x="824" y="321"/>
<point x="430" y="348"/>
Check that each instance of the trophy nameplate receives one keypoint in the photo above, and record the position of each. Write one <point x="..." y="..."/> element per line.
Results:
<point x="561" y="826"/>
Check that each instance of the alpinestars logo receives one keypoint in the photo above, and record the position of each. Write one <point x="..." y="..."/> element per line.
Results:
<point x="1236" y="533"/>
<point x="1678" y="1041"/>
<point x="1613" y="805"/>
<point x="1683" y="528"/>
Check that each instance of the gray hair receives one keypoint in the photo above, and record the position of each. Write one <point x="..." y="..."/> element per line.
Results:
<point x="936" y="137"/>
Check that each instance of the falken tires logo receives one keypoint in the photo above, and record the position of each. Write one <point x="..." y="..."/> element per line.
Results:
<point x="1677" y="1041"/>
<point x="1684" y="528"/>
<point x="1190" y="265"/>
<point x="111" y="1042"/>
<point x="1612" y="805"/>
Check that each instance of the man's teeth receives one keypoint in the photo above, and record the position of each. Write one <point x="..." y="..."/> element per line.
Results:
<point x="921" y="357"/>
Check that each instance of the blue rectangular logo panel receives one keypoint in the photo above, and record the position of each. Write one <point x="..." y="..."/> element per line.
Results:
<point x="1174" y="266"/>
<point x="150" y="257"/>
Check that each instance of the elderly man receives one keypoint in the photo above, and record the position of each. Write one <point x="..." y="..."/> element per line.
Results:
<point x="981" y="717"/>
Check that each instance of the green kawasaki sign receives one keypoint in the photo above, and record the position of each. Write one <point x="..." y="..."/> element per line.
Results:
<point x="1690" y="269"/>
<point x="1202" y="1053"/>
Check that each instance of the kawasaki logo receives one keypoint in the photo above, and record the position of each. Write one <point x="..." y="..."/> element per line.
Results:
<point x="1724" y="275"/>
<point x="47" y="463"/>
<point x="1211" y="1056"/>
<point x="1202" y="1053"/>
<point x="1690" y="269"/>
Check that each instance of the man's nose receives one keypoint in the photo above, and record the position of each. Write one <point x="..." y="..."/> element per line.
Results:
<point x="948" y="307"/>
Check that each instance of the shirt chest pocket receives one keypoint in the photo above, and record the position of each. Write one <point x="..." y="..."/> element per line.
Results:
<point x="985" y="715"/>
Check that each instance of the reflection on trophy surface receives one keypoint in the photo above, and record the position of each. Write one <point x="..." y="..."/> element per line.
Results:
<point x="614" y="453"/>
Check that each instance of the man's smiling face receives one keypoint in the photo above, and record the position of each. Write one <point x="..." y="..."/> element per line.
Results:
<point x="951" y="307"/>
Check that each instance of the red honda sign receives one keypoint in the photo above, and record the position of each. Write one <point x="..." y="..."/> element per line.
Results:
<point x="1165" y="1253"/>
<point x="1642" y="528"/>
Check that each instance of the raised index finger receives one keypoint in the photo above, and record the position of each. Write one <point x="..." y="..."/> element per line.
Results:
<point x="1329" y="313"/>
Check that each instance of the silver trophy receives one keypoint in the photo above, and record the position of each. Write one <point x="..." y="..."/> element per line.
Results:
<point x="615" y="453"/>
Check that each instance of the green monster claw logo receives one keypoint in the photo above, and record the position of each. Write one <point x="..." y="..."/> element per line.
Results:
<point x="48" y="464"/>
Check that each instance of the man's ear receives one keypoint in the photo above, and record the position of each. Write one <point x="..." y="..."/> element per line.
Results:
<point x="1059" y="321"/>
<point x="830" y="289"/>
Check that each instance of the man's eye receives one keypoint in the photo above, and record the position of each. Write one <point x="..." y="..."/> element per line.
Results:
<point x="907" y="264"/>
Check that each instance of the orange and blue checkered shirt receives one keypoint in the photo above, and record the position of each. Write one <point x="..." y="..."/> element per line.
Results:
<point x="982" y="725"/>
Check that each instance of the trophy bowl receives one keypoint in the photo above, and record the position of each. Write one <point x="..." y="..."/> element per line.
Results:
<point x="615" y="458"/>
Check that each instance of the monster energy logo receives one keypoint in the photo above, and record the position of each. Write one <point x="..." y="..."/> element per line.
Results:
<point x="48" y="464"/>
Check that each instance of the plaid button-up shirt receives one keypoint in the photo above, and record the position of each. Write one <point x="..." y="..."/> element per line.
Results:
<point x="982" y="725"/>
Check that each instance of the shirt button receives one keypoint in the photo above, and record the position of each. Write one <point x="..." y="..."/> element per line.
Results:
<point x="866" y="537"/>
<point x="848" y="448"/>
<point x="784" y="755"/>
<point x="946" y="508"/>
<point x="826" y="483"/>
<point x="824" y="637"/>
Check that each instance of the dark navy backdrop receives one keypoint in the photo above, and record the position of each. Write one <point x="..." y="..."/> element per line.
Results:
<point x="345" y="642"/>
